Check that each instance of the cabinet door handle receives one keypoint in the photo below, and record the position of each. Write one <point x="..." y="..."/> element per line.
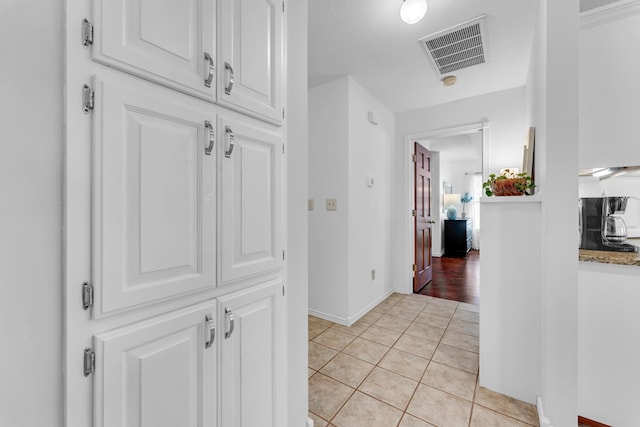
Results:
<point x="228" y="70"/>
<point x="209" y="69"/>
<point x="211" y="331"/>
<point x="229" y="314"/>
<point x="231" y="139"/>
<point x="212" y="137"/>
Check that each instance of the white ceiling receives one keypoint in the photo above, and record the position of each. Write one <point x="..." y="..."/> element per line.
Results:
<point x="459" y="147"/>
<point x="367" y="40"/>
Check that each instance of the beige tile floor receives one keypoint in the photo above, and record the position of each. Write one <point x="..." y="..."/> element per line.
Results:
<point x="412" y="361"/>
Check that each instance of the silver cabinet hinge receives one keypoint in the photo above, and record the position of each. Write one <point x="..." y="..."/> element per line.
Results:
<point x="89" y="361"/>
<point x="283" y="255"/>
<point x="283" y="11"/>
<point x="283" y="114"/>
<point x="88" y="99"/>
<point x="414" y="158"/>
<point x="87" y="33"/>
<point x="282" y="290"/>
<point x="87" y="296"/>
<point x="282" y="148"/>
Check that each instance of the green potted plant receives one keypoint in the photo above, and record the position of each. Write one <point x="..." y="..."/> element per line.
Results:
<point x="508" y="183"/>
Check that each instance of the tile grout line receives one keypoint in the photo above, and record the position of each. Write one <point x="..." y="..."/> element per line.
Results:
<point x="419" y="382"/>
<point x="425" y="372"/>
<point x="357" y="388"/>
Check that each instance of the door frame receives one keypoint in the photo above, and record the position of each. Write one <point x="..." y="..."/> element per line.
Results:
<point x="407" y="205"/>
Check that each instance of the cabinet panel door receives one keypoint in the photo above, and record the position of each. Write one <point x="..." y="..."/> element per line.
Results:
<point x="250" y="53"/>
<point x="164" y="41"/>
<point x="158" y="373"/>
<point x="153" y="195"/>
<point x="250" y="190"/>
<point x="252" y="356"/>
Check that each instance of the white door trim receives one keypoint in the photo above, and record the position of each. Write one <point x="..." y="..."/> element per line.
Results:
<point x="408" y="242"/>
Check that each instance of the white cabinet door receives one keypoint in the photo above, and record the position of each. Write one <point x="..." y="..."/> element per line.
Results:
<point x="251" y="340"/>
<point x="250" y="199"/>
<point x="158" y="373"/>
<point x="250" y="57"/>
<point x="170" y="42"/>
<point x="153" y="195"/>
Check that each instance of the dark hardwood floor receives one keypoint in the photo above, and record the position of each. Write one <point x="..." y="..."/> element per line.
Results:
<point x="455" y="278"/>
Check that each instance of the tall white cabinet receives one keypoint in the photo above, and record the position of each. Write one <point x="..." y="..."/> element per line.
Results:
<point x="250" y="57"/>
<point x="174" y="253"/>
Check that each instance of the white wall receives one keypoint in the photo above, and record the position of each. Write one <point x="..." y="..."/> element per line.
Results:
<point x="30" y="184"/>
<point x="345" y="245"/>
<point x="297" y="220"/>
<point x="608" y="366"/>
<point x="609" y="92"/>
<point x="510" y="296"/>
<point x="505" y="112"/>
<point x="552" y="99"/>
<point x="370" y="154"/>
<point x="328" y="171"/>
<point x="607" y="362"/>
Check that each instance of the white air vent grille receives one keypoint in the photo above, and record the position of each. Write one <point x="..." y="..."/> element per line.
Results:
<point x="455" y="48"/>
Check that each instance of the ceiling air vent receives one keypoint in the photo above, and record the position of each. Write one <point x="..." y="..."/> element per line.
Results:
<point x="458" y="47"/>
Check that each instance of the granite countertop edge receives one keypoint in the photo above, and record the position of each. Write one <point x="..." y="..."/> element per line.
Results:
<point x="610" y="257"/>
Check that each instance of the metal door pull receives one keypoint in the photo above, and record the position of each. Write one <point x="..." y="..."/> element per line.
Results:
<point x="211" y="330"/>
<point x="231" y="138"/>
<point x="229" y="74"/>
<point x="212" y="137"/>
<point x="229" y="315"/>
<point x="209" y="69"/>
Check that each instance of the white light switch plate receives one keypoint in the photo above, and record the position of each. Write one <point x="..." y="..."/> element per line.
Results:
<point x="332" y="205"/>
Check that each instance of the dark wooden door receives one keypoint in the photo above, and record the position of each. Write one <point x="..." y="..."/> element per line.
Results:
<point x="422" y="217"/>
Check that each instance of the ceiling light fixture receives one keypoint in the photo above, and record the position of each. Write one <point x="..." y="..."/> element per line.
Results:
<point x="602" y="172"/>
<point x="412" y="11"/>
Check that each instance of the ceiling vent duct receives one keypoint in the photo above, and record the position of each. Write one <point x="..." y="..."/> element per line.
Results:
<point x="458" y="47"/>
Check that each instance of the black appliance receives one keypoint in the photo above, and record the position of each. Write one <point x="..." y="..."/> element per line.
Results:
<point x="597" y="219"/>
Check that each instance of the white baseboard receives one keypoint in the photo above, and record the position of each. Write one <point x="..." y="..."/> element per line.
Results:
<point x="355" y="318"/>
<point x="329" y="317"/>
<point x="544" y="421"/>
<point x="351" y="319"/>
<point x="309" y="422"/>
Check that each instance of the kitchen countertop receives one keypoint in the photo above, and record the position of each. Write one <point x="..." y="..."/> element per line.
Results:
<point x="610" y="257"/>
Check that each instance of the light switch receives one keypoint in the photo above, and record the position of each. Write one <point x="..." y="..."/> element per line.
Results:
<point x="332" y="205"/>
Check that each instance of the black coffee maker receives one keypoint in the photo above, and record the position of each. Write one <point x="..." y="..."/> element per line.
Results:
<point x="601" y="228"/>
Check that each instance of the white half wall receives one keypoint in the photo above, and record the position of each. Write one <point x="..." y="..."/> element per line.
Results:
<point x="510" y="296"/>
<point x="31" y="217"/>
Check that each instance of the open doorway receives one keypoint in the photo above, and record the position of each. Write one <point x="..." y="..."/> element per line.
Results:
<point x="457" y="163"/>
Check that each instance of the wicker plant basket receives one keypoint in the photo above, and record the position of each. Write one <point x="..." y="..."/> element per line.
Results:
<point x="507" y="187"/>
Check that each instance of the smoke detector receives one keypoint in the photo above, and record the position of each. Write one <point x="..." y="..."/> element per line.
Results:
<point x="449" y="80"/>
<point x="458" y="47"/>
